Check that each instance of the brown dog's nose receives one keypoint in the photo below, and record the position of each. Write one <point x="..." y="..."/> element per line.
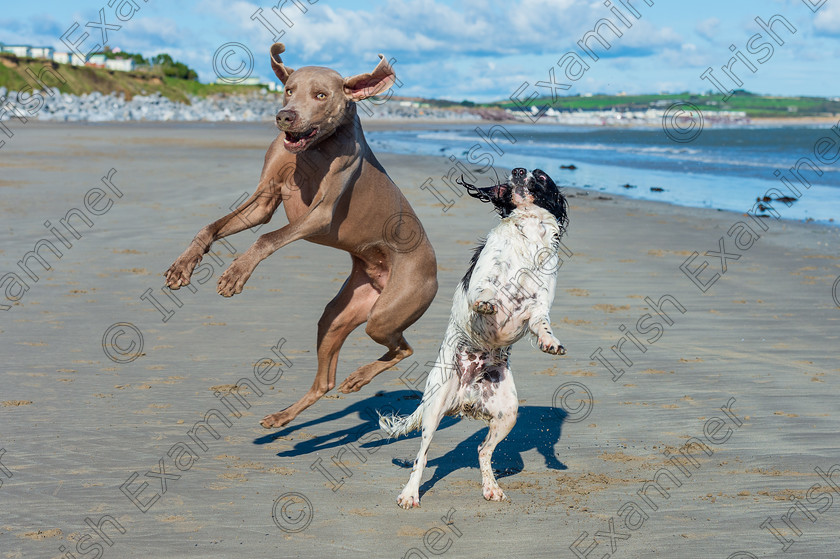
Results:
<point x="286" y="117"/>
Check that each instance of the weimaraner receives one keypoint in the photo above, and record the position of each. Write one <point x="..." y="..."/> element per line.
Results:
<point x="337" y="194"/>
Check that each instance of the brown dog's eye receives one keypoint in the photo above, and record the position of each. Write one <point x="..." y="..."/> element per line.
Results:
<point x="320" y="96"/>
<point x="288" y="91"/>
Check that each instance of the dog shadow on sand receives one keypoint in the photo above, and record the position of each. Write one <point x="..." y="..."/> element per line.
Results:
<point x="537" y="428"/>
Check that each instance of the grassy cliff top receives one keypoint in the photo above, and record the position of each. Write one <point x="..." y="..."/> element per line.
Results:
<point x="86" y="79"/>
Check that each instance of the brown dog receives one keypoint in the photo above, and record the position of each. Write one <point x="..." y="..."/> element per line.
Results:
<point x="335" y="193"/>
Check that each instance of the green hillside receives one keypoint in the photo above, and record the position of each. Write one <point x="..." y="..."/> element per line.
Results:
<point x="86" y="79"/>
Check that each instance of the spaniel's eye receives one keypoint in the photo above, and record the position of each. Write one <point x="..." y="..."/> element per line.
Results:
<point x="320" y="96"/>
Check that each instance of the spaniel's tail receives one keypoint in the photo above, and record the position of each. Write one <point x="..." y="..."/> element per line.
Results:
<point x="397" y="425"/>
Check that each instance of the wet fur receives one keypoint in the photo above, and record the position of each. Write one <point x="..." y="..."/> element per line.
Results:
<point x="514" y="272"/>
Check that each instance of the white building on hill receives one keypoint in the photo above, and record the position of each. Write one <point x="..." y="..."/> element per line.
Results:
<point x="96" y="60"/>
<point x="49" y="53"/>
<point x="120" y="64"/>
<point x="21" y="51"/>
<point x="42" y="52"/>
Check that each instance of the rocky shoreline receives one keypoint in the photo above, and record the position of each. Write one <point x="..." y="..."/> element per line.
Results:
<point x="255" y="107"/>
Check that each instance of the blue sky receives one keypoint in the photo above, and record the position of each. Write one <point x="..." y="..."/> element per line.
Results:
<point x="470" y="49"/>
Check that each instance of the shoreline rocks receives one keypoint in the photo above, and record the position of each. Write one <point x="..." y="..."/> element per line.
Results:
<point x="262" y="106"/>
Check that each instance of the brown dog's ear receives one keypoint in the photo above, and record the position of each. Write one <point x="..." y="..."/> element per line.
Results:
<point x="277" y="63"/>
<point x="367" y="85"/>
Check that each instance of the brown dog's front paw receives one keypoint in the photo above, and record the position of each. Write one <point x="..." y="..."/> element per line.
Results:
<point x="234" y="278"/>
<point x="484" y="307"/>
<point x="180" y="272"/>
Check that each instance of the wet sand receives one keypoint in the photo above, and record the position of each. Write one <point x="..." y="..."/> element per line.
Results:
<point x="77" y="426"/>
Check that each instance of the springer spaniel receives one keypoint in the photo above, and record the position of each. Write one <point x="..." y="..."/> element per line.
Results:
<point x="506" y="292"/>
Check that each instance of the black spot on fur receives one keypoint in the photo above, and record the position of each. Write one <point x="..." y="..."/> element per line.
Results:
<point x="465" y="281"/>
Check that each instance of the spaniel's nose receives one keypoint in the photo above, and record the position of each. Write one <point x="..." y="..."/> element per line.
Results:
<point x="517" y="176"/>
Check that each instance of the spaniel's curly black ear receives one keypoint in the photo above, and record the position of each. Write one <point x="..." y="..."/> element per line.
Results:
<point x="549" y="197"/>
<point x="499" y="195"/>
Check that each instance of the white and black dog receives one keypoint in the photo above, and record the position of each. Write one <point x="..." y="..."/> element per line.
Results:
<point x="506" y="292"/>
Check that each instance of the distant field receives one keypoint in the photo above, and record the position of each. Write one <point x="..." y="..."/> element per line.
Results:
<point x="753" y="105"/>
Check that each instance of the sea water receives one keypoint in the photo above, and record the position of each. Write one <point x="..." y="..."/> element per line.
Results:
<point x="723" y="167"/>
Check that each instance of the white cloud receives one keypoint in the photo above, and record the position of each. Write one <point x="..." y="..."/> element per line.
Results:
<point x="827" y="20"/>
<point x="707" y="28"/>
<point x="686" y="56"/>
<point x="488" y="28"/>
<point x="474" y="49"/>
<point x="646" y="37"/>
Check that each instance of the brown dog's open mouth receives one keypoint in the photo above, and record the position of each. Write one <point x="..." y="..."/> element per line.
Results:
<point x="296" y="141"/>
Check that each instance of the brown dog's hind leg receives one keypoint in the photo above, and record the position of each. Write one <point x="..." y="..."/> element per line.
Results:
<point x="400" y="305"/>
<point x="366" y="373"/>
<point x="343" y="314"/>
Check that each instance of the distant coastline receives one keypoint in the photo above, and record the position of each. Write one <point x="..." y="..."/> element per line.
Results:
<point x="45" y="89"/>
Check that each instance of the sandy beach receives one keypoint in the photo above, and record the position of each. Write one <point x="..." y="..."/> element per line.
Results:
<point x="731" y="409"/>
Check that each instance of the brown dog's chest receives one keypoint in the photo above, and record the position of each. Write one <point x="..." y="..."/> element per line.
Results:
<point x="299" y="179"/>
<point x="294" y="204"/>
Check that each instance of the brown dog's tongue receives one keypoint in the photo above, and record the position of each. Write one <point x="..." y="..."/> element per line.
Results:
<point x="297" y="136"/>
